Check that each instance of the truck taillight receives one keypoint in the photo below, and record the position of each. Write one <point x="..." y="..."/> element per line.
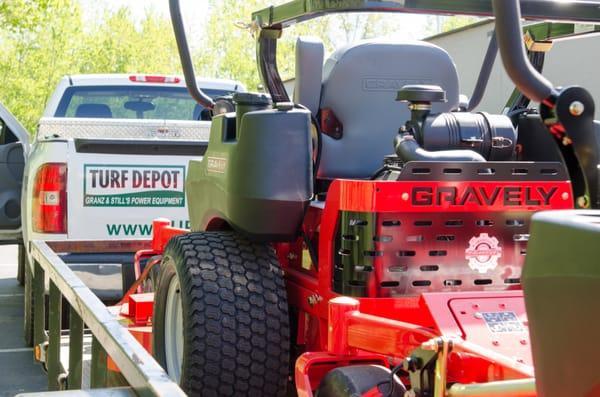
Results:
<point x="143" y="78"/>
<point x="49" y="201"/>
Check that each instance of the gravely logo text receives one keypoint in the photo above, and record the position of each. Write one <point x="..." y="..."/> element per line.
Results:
<point x="479" y="195"/>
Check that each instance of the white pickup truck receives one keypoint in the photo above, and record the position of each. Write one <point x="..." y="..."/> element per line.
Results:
<point x="110" y="154"/>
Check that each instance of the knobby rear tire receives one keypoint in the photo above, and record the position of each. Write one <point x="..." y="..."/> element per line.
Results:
<point x="235" y="315"/>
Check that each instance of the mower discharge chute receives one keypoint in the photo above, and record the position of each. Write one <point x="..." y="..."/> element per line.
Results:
<point x="368" y="236"/>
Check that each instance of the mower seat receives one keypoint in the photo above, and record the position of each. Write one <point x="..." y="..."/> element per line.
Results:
<point x="358" y="86"/>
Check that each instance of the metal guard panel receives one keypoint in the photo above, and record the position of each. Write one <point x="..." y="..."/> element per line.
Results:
<point x="462" y="187"/>
<point x="408" y="237"/>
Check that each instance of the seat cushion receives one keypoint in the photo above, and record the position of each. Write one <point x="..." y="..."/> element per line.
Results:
<point x="360" y="84"/>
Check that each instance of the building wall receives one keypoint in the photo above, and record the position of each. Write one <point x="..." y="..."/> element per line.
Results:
<point x="574" y="61"/>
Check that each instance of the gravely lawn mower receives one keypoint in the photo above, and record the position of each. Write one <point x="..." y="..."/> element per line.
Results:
<point x="367" y="238"/>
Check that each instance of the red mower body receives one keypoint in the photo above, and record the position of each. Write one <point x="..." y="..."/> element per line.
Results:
<point x="408" y="266"/>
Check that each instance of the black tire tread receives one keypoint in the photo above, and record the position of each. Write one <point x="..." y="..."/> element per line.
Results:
<point x="236" y="325"/>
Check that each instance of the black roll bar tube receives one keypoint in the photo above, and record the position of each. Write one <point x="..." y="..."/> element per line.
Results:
<point x="186" y="58"/>
<point x="509" y="34"/>
<point x="484" y="73"/>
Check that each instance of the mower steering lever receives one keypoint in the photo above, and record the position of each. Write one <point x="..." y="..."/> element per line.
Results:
<point x="186" y="58"/>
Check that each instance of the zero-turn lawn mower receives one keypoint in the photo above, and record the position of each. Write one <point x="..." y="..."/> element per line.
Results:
<point x="367" y="238"/>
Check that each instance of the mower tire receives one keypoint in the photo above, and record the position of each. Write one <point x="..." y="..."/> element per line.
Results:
<point x="234" y="337"/>
<point x="360" y="380"/>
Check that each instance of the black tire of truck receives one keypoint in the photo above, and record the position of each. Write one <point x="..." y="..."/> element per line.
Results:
<point x="21" y="265"/>
<point x="236" y="336"/>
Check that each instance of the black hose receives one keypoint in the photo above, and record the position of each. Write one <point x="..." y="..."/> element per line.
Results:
<point x="512" y="50"/>
<point x="186" y="59"/>
<point x="484" y="73"/>
<point x="408" y="149"/>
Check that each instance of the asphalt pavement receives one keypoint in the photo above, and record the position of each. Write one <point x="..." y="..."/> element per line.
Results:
<point x="18" y="371"/>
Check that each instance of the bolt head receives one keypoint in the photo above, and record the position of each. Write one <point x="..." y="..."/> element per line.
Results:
<point x="576" y="108"/>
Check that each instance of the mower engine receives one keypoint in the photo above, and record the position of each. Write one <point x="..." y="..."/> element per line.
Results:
<point x="431" y="251"/>
<point x="454" y="136"/>
<point x="459" y="222"/>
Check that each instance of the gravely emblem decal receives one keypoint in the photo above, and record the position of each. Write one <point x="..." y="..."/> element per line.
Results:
<point x="483" y="253"/>
<point x="216" y="164"/>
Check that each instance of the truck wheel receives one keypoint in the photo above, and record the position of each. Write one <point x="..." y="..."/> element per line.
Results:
<point x="28" y="307"/>
<point x="220" y="324"/>
<point x="21" y="265"/>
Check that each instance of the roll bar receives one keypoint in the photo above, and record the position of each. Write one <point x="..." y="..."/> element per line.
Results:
<point x="295" y="11"/>
<point x="484" y="73"/>
<point x="509" y="34"/>
<point x="186" y="58"/>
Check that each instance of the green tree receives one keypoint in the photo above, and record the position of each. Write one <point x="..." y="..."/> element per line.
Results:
<point x="230" y="52"/>
<point x="46" y="40"/>
<point x="36" y="55"/>
<point x="43" y="40"/>
<point x="16" y="15"/>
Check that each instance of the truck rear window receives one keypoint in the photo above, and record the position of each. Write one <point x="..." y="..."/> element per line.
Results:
<point x="133" y="102"/>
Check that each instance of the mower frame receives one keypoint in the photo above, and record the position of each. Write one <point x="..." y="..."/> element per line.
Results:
<point x="295" y="11"/>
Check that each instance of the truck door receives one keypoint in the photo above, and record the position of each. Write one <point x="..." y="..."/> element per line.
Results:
<point x="14" y="146"/>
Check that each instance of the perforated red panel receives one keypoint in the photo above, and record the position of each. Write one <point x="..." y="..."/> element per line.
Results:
<point x="466" y="231"/>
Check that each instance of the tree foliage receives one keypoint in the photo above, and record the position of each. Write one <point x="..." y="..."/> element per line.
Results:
<point x="43" y="40"/>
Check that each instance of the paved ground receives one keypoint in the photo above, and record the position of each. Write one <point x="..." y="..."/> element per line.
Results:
<point x="18" y="372"/>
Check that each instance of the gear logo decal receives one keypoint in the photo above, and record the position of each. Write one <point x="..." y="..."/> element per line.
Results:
<point x="483" y="253"/>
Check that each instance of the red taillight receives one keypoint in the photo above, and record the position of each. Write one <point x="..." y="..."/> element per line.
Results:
<point x="140" y="78"/>
<point x="49" y="199"/>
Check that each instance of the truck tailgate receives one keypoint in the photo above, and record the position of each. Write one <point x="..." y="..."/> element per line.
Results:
<point x="117" y="195"/>
<point x="118" y="185"/>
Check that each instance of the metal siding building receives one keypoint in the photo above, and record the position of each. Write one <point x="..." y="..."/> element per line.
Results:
<point x="572" y="61"/>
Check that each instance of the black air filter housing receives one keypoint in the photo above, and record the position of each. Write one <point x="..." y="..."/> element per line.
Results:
<point x="493" y="136"/>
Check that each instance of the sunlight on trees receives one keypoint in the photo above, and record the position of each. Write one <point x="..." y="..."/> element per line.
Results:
<point x="43" y="40"/>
